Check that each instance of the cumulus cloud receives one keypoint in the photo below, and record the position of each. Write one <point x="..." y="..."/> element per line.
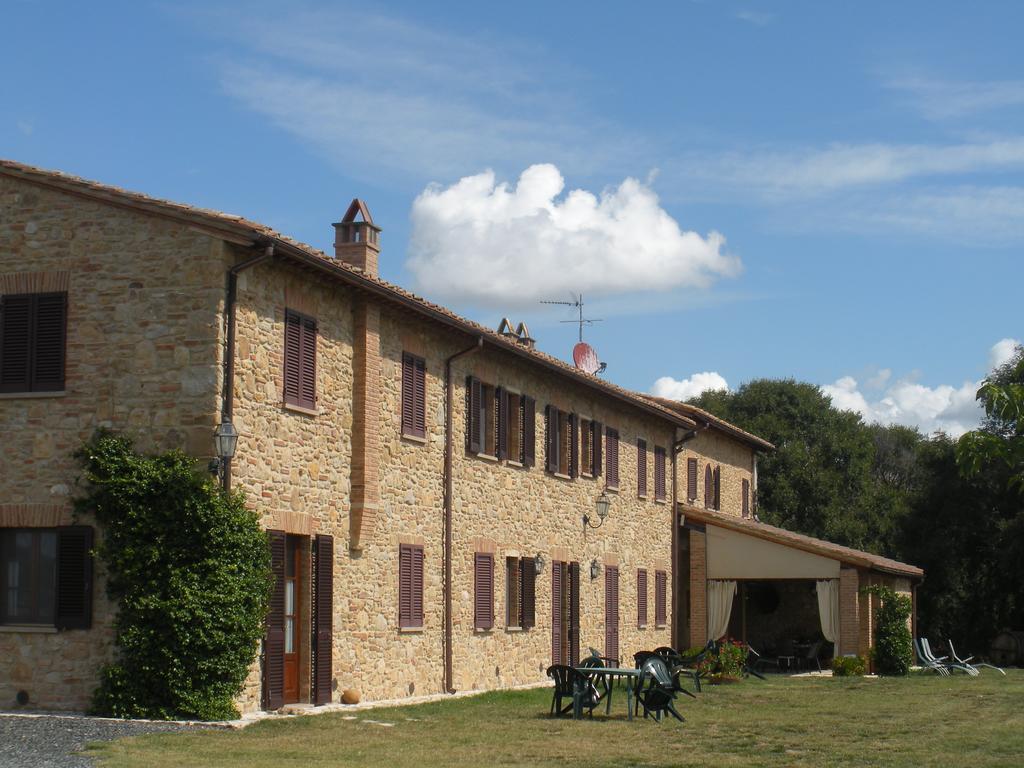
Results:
<point x="950" y="409"/>
<point x="481" y="240"/>
<point x="684" y="389"/>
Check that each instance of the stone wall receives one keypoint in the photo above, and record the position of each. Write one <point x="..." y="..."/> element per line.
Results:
<point x="143" y="358"/>
<point x="736" y="460"/>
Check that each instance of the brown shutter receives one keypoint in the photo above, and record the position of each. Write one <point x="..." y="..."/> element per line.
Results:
<point x="574" y="614"/>
<point x="595" y="465"/>
<point x="718" y="487"/>
<point x="16" y="344"/>
<point x="528" y="592"/>
<point x="556" y="612"/>
<point x="574" y="445"/>
<point x="410" y="586"/>
<point x="307" y="379"/>
<point x="501" y="403"/>
<point x="48" y="342"/>
<point x="641" y="597"/>
<point x="659" y="473"/>
<point x="408" y="393"/>
<point x="529" y="422"/>
<point x="474" y="396"/>
<point x="709" y="486"/>
<point x="483" y="591"/>
<point x="74" y="577"/>
<point x="691" y="480"/>
<point x="417" y="586"/>
<point x="746" y="498"/>
<point x="273" y="645"/>
<point x="551" y="437"/>
<point x="641" y="467"/>
<point x="292" y="356"/>
<point x="612" y="441"/>
<point x="660" y="602"/>
<point x="323" y="618"/>
<point x="611" y="611"/>
<point x="419" y="423"/>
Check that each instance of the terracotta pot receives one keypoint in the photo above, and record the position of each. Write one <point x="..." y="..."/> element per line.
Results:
<point x="350" y="696"/>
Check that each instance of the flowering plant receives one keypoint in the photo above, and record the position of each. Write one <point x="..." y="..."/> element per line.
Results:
<point x="725" y="661"/>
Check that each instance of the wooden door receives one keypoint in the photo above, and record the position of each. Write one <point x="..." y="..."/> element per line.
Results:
<point x="565" y="613"/>
<point x="292" y="590"/>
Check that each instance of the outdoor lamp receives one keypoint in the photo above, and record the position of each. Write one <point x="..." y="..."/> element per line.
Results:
<point x="595" y="568"/>
<point x="225" y="438"/>
<point x="538" y="563"/>
<point x="601" y="507"/>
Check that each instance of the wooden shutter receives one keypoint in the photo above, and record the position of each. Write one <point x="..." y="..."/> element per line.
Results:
<point x="595" y="464"/>
<point x="74" y="577"/>
<point x="691" y="480"/>
<point x="501" y="404"/>
<point x="529" y="425"/>
<point x="709" y="486"/>
<point x="16" y="344"/>
<point x="660" y="602"/>
<point x="292" y="356"/>
<point x="273" y="645"/>
<point x="641" y="467"/>
<point x="746" y="498"/>
<point x="574" y="445"/>
<point x="612" y="446"/>
<point x="307" y="377"/>
<point x="556" y="612"/>
<point x="718" y="487"/>
<point x="528" y="592"/>
<point x="410" y="586"/>
<point x="574" y="614"/>
<point x="323" y="618"/>
<point x="414" y="395"/>
<point x="483" y="591"/>
<point x="48" y="342"/>
<point x="659" y="473"/>
<point x="474" y="396"/>
<point x="551" y="417"/>
<point x="420" y="403"/>
<point x="417" y="586"/>
<point x="641" y="597"/>
<point x="611" y="611"/>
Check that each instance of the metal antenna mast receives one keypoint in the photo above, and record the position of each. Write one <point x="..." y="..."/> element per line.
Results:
<point x="577" y="303"/>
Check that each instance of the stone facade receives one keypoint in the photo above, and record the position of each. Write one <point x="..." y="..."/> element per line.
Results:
<point x="735" y="460"/>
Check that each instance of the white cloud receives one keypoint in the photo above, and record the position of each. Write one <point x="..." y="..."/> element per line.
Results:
<point x="950" y="409"/>
<point x="684" y="389"/>
<point x="943" y="99"/>
<point x="480" y="240"/>
<point x="757" y="18"/>
<point x="1002" y="352"/>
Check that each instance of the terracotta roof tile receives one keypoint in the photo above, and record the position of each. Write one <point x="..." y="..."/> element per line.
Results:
<point x="701" y="415"/>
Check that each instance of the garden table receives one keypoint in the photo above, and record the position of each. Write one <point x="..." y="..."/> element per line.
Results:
<point x="612" y="672"/>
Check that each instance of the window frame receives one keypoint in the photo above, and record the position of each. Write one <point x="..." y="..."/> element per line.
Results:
<point x="32" y="382"/>
<point x="37" y="617"/>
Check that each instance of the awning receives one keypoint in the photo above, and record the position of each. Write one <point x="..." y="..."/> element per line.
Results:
<point x="734" y="555"/>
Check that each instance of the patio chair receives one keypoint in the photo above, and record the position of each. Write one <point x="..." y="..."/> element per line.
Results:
<point x="692" y="663"/>
<point x="927" y="660"/>
<point x="944" y="660"/>
<point x="601" y="681"/>
<point x="566" y="681"/>
<point x="973" y="664"/>
<point x="750" y="667"/>
<point x="812" y="655"/>
<point x="657" y="691"/>
<point x="677" y="668"/>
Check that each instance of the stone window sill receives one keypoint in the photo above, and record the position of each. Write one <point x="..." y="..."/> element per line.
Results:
<point x="300" y="409"/>
<point x="515" y="629"/>
<point x="36" y="629"/>
<point x="414" y="438"/>
<point x="411" y="630"/>
<point x="513" y="463"/>
<point x="560" y="476"/>
<point x="31" y="395"/>
<point x="642" y="496"/>
<point x="641" y="626"/>
<point x="661" y="501"/>
<point x="485" y="456"/>
<point x="612" y="488"/>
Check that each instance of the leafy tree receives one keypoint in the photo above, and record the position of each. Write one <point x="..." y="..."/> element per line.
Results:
<point x="189" y="568"/>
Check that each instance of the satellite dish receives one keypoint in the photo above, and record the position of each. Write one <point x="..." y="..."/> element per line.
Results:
<point x="585" y="358"/>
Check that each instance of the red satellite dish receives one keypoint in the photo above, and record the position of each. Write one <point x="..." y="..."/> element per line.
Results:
<point x="585" y="358"/>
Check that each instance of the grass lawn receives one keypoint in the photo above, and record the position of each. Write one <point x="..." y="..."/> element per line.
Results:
<point x="919" y="721"/>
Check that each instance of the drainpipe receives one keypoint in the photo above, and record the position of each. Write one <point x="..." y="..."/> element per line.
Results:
<point x="228" y="397"/>
<point x="447" y="513"/>
<point x="677" y="448"/>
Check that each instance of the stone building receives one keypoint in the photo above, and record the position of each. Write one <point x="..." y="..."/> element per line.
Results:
<point x="448" y="507"/>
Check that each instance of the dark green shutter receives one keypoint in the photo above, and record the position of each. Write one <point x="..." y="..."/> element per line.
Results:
<point x="273" y="645"/>
<point x="74" y="577"/>
<point x="323" y="618"/>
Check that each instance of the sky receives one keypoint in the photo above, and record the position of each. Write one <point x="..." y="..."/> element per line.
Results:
<point x="831" y="192"/>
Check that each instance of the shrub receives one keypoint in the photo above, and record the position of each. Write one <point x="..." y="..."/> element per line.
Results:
<point x="848" y="666"/>
<point x="725" y="661"/>
<point x="893" y="650"/>
<point x="189" y="568"/>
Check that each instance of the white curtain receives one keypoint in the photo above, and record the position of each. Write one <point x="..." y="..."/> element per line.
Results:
<point x="720" y="594"/>
<point x="828" y="609"/>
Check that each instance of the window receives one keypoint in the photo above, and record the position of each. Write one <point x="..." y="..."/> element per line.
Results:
<point x="520" y="592"/>
<point x="709" y="487"/>
<point x="561" y="439"/>
<point x="499" y="423"/>
<point x="410" y="586"/>
<point x="691" y="480"/>
<point x="46" y="576"/>
<point x="590" y="443"/>
<point x="746" y="498"/>
<point x="414" y="395"/>
<point x="33" y="334"/>
<point x="641" y="598"/>
<point x="299" y="360"/>
<point x="641" y="468"/>
<point x="660" y="602"/>
<point x="612" y="462"/>
<point x="659" y="474"/>
<point x="483" y="591"/>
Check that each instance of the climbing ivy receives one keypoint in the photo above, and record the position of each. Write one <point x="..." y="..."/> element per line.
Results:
<point x="893" y="651"/>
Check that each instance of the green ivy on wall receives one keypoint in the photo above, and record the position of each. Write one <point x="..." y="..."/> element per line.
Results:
<point x="893" y="651"/>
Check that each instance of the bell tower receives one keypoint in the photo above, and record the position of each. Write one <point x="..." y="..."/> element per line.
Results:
<point x="357" y="238"/>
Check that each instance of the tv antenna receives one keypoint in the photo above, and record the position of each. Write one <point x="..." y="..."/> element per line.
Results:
<point x="577" y="304"/>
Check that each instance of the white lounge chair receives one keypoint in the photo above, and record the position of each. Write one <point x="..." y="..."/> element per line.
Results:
<point x="944" y="660"/>
<point x="927" y="660"/>
<point x="972" y="664"/>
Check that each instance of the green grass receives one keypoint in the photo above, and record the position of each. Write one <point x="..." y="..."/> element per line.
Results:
<point x="916" y="721"/>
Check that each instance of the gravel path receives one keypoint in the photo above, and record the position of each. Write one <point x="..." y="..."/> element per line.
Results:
<point x="50" y="741"/>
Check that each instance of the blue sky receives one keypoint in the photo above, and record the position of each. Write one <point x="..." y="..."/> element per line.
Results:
<point x="862" y="164"/>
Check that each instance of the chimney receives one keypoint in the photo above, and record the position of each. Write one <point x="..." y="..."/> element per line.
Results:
<point x="357" y="239"/>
